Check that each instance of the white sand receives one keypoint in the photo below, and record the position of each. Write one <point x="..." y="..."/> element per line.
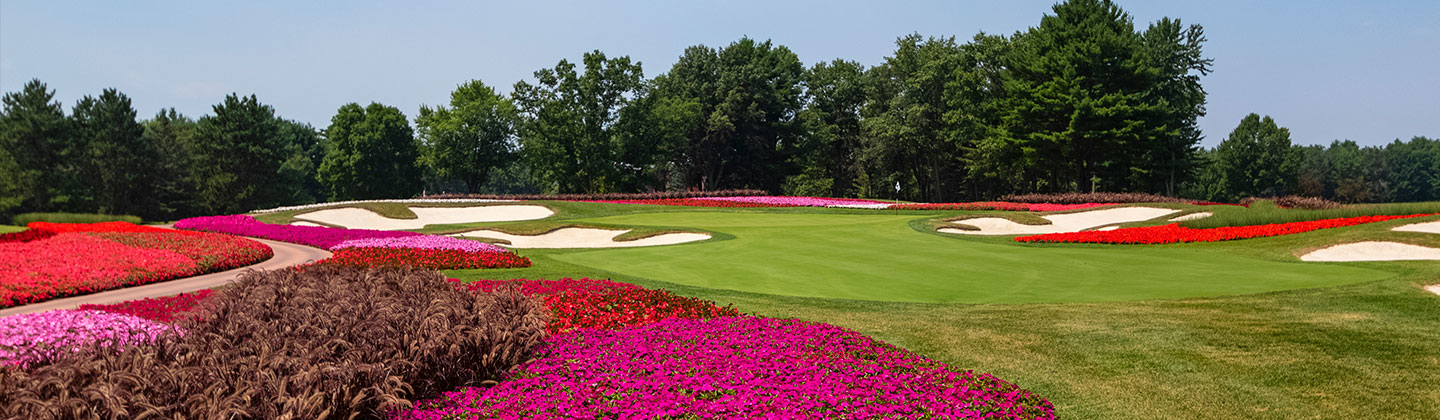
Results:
<point x="365" y="219"/>
<point x="1427" y="227"/>
<point x="305" y="223"/>
<point x="1434" y="288"/>
<point x="1192" y="216"/>
<point x="1059" y="223"/>
<point x="572" y="237"/>
<point x="1373" y="251"/>
<point x="1108" y="228"/>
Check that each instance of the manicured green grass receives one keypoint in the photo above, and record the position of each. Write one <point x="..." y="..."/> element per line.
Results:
<point x="879" y="257"/>
<point x="1367" y="349"/>
<point x="8" y="228"/>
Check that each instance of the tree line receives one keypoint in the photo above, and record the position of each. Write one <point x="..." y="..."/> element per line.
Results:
<point x="1084" y="101"/>
<point x="1258" y="159"/>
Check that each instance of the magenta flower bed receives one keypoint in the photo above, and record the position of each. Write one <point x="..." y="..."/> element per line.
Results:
<point x="735" y="367"/>
<point x="774" y="200"/>
<point x="422" y="242"/>
<point x="319" y="237"/>
<point x="26" y="339"/>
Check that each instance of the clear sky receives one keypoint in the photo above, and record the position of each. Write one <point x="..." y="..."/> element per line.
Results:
<point x="1365" y="71"/>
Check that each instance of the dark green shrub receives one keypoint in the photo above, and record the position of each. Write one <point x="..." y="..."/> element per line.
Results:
<point x="325" y="342"/>
<point x="25" y="219"/>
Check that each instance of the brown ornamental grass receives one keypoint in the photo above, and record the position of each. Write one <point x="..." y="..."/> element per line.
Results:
<point x="322" y="343"/>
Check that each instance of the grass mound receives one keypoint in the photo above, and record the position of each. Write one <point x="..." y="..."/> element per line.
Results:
<point x="325" y="342"/>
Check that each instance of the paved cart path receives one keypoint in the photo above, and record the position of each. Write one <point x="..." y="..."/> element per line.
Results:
<point x="286" y="255"/>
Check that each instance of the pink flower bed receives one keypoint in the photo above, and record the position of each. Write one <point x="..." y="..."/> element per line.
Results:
<point x="28" y="339"/>
<point x="786" y="201"/>
<point x="734" y="367"/>
<point x="422" y="242"/>
<point x="319" y="237"/>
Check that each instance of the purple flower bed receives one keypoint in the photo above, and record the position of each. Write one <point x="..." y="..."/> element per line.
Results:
<point x="319" y="237"/>
<point x="422" y="242"/>
<point x="800" y="201"/>
<point x="737" y="367"/>
<point x="26" y="339"/>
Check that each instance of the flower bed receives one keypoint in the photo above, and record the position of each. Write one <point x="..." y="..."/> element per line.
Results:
<point x="89" y="258"/>
<point x="734" y="367"/>
<point x="421" y="242"/>
<point x="435" y="259"/>
<point x="319" y="237"/>
<point x="602" y="304"/>
<point x="26" y="235"/>
<point x="161" y="309"/>
<point x="787" y="201"/>
<point x="28" y="339"/>
<point x="688" y="202"/>
<point x="1174" y="233"/>
<point x="996" y="205"/>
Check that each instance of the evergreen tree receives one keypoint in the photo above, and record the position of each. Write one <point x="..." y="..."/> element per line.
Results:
<point x="1081" y="100"/>
<point x="34" y="140"/>
<point x="176" y="185"/>
<point x="905" y="122"/>
<point x="238" y="152"/>
<point x="117" y="165"/>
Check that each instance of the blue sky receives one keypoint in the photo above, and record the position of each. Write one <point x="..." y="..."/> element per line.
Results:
<point x="1365" y="71"/>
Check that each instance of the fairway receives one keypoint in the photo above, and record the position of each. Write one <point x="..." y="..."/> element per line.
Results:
<point x="881" y="258"/>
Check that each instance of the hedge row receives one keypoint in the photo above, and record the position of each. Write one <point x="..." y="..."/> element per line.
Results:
<point x="26" y="218"/>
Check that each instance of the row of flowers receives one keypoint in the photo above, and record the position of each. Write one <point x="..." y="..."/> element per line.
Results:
<point x="366" y="248"/>
<point x="734" y="367"/>
<point x="76" y="259"/>
<point x="27" y="339"/>
<point x="160" y="309"/>
<point x="1174" y="233"/>
<point x="623" y="351"/>
<point x="786" y="201"/>
<point x="586" y="304"/>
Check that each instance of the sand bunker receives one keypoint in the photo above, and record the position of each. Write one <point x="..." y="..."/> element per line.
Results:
<point x="1373" y="251"/>
<point x="1060" y="223"/>
<point x="1434" y="288"/>
<point x="305" y="223"/>
<point x="1427" y="227"/>
<point x="1192" y="216"/>
<point x="572" y="237"/>
<point x="365" y="219"/>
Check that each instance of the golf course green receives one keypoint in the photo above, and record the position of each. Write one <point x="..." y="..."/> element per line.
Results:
<point x="880" y="257"/>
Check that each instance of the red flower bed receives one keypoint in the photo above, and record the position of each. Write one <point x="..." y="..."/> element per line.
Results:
<point x="1174" y="233"/>
<point x="76" y="259"/>
<point x="162" y="309"/>
<point x="588" y="304"/>
<point x="26" y="235"/>
<point x="101" y="227"/>
<point x="692" y="203"/>
<point x="435" y="259"/>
